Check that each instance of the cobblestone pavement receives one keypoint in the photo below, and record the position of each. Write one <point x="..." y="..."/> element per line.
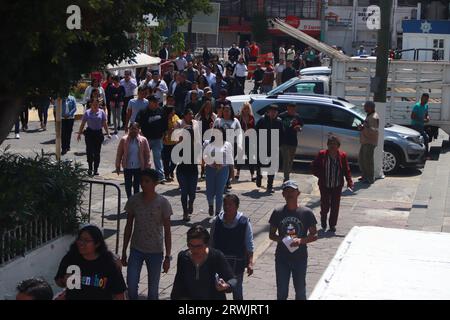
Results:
<point x="386" y="203"/>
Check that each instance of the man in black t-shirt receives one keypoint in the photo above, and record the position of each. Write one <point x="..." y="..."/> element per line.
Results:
<point x="288" y="73"/>
<point x="292" y="124"/>
<point x="292" y="227"/>
<point x="153" y="124"/>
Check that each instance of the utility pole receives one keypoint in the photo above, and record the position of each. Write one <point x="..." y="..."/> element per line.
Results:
<point x="381" y="75"/>
<point x="323" y="26"/>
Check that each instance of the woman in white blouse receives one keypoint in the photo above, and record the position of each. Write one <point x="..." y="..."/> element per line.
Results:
<point x="218" y="157"/>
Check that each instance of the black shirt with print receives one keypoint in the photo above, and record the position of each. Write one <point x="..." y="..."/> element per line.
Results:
<point x="100" y="278"/>
<point x="294" y="223"/>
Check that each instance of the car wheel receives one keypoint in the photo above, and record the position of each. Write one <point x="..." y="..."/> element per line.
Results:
<point x="391" y="160"/>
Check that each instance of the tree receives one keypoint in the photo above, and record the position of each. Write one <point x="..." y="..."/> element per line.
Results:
<point x="41" y="55"/>
<point x="260" y="27"/>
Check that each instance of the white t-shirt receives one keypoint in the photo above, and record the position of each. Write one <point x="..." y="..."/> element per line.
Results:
<point x="218" y="153"/>
<point x="211" y="79"/>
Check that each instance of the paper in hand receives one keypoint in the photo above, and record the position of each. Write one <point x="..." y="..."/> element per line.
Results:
<point x="287" y="242"/>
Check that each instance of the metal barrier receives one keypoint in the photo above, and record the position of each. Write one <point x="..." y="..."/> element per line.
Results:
<point x="119" y="197"/>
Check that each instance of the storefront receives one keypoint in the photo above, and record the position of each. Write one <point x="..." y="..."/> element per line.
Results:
<point x="427" y="34"/>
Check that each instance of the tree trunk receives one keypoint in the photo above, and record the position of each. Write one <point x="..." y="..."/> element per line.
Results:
<point x="9" y="113"/>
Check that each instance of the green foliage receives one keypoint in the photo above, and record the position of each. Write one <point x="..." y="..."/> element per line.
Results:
<point x="176" y="41"/>
<point x="40" y="54"/>
<point x="260" y="27"/>
<point x="40" y="187"/>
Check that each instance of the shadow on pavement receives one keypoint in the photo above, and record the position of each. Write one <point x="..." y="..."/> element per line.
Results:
<point x="79" y="154"/>
<point x="256" y="194"/>
<point x="53" y="141"/>
<point x="327" y="234"/>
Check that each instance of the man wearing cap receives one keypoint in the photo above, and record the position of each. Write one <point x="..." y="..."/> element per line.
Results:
<point x="158" y="87"/>
<point x="153" y="124"/>
<point x="269" y="122"/>
<point x="292" y="227"/>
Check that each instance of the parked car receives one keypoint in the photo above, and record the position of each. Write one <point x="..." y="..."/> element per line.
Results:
<point x="325" y="115"/>
<point x="316" y="71"/>
<point x="302" y="85"/>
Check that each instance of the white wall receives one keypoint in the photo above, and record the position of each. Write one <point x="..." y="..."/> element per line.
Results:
<point x="421" y="40"/>
<point x="42" y="262"/>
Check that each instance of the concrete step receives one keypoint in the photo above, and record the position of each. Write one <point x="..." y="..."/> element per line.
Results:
<point x="431" y="205"/>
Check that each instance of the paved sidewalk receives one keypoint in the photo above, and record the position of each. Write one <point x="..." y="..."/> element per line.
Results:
<point x="386" y="203"/>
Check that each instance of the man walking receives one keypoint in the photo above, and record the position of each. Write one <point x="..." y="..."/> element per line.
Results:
<point x="292" y="124"/>
<point x="419" y="116"/>
<point x="369" y="140"/>
<point x="269" y="122"/>
<point x="129" y="85"/>
<point x="153" y="124"/>
<point x="148" y="213"/>
<point x="292" y="227"/>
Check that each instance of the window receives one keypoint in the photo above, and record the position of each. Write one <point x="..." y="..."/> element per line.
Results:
<point x="438" y="44"/>
<point x="309" y="113"/>
<point x="301" y="8"/>
<point x="340" y="118"/>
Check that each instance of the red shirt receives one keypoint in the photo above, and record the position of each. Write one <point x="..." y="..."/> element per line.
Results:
<point x="254" y="50"/>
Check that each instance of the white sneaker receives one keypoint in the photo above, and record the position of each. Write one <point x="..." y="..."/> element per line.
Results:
<point x="17" y="136"/>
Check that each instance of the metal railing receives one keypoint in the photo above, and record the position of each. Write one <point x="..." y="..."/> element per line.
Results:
<point x="103" y="183"/>
<point x="27" y="237"/>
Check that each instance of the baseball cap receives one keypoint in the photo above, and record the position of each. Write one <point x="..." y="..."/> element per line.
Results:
<point x="290" y="184"/>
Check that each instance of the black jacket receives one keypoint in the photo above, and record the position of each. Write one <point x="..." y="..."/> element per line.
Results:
<point x="194" y="283"/>
<point x="287" y="74"/>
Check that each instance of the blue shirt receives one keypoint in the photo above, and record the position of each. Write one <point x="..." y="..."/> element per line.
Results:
<point x="136" y="105"/>
<point x="133" y="161"/>
<point x="94" y="120"/>
<point x="420" y="112"/>
<point x="69" y="107"/>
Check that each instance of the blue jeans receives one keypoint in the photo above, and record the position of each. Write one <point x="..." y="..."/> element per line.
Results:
<point x="188" y="185"/>
<point x="283" y="269"/>
<point x="215" y="185"/>
<point x="132" y="178"/>
<point x="238" y="291"/>
<point x="169" y="166"/>
<point x="156" y="145"/>
<point x="153" y="262"/>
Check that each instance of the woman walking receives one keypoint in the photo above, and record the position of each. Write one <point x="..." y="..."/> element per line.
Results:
<point x="100" y="276"/>
<point x="168" y="143"/>
<point x="247" y="121"/>
<point x="218" y="157"/>
<point x="95" y="118"/>
<point x="206" y="118"/>
<point x="331" y="167"/>
<point x="229" y="122"/>
<point x="133" y="153"/>
<point x="116" y="100"/>
<point x="202" y="272"/>
<point x="187" y="172"/>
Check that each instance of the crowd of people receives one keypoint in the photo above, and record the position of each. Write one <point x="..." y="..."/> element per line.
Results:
<point x="176" y="108"/>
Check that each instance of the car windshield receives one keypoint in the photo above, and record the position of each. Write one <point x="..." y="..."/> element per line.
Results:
<point x="359" y="110"/>
<point x="282" y="87"/>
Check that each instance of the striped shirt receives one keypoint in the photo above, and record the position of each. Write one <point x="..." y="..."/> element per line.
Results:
<point x="332" y="172"/>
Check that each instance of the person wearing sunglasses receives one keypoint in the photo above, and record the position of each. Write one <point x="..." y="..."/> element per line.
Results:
<point x="202" y="272"/>
<point x="99" y="277"/>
